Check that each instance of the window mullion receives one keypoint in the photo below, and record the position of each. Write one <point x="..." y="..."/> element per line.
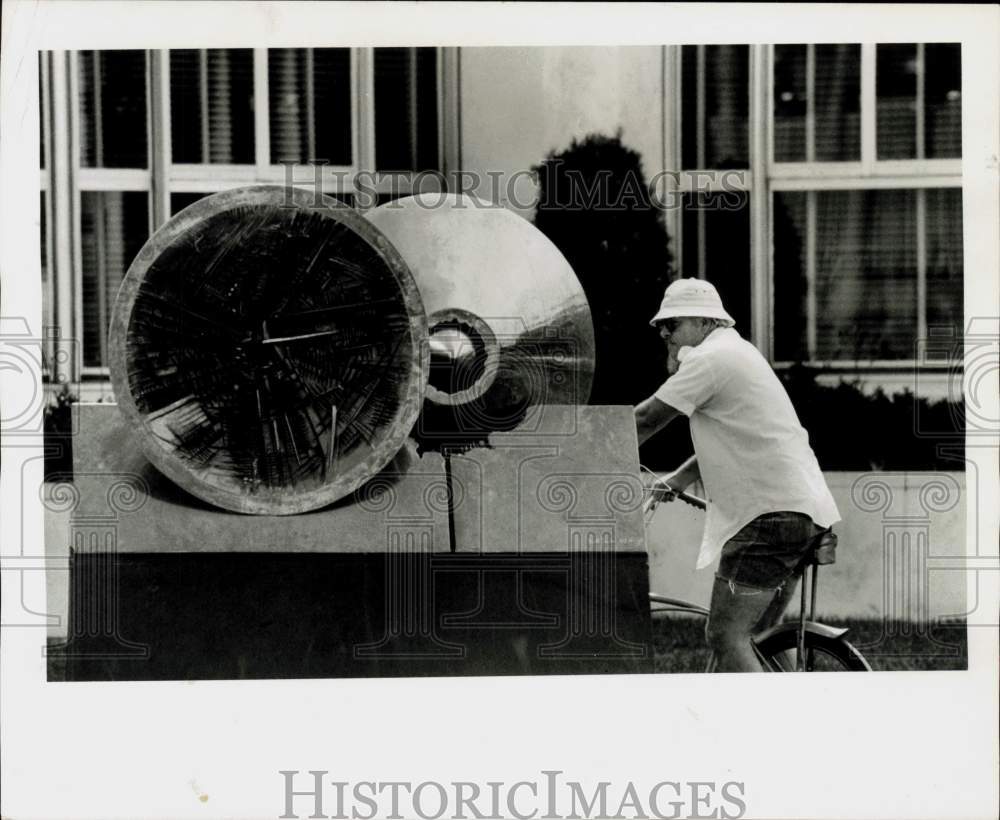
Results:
<point x="700" y="107"/>
<point x="450" y="110"/>
<point x="701" y="250"/>
<point x="45" y="124"/>
<point x="72" y="230"/>
<point x="203" y="103"/>
<point x="672" y="75"/>
<point x="365" y="97"/>
<point x="413" y="109"/>
<point x="811" y="275"/>
<point x="921" y="219"/>
<point x="310" y="95"/>
<point x="868" y="135"/>
<point x="810" y="103"/>
<point x="101" y="269"/>
<point x="45" y="117"/>
<point x="261" y="110"/>
<point x="760" y="206"/>
<point x="98" y="106"/>
<point x="671" y="80"/>
<point x="700" y="154"/>
<point x="439" y="90"/>
<point x="767" y="114"/>
<point x="921" y="86"/>
<point x="63" y="275"/>
<point x="159" y="142"/>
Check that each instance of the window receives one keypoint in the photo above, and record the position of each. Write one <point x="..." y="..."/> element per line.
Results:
<point x="718" y="227"/>
<point x="113" y="227"/>
<point x="819" y="104"/>
<point x="330" y="110"/>
<point x="865" y="274"/>
<point x="942" y="100"/>
<point x="851" y="274"/>
<point x="156" y="131"/>
<point x="715" y="113"/>
<point x="46" y="275"/>
<point x="114" y="180"/>
<point x="42" y="84"/>
<point x="309" y="93"/>
<point x="943" y="259"/>
<point x="919" y="100"/>
<point x="406" y="133"/>
<point x="896" y="96"/>
<point x="817" y="110"/>
<point x="112" y="101"/>
<point x="211" y="106"/>
<point x="45" y="196"/>
<point x="829" y="211"/>
<point x="865" y="200"/>
<point x="711" y="233"/>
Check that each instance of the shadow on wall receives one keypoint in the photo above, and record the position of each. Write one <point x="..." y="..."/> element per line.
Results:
<point x="852" y="430"/>
<point x="595" y="205"/>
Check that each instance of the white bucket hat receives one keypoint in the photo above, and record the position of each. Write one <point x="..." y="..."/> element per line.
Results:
<point x="691" y="297"/>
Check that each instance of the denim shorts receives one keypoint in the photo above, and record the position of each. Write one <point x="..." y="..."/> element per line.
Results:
<point x="769" y="550"/>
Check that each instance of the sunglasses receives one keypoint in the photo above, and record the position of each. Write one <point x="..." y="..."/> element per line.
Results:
<point x="671" y="325"/>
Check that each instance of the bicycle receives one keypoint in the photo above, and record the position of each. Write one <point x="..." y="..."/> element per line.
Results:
<point x="801" y="645"/>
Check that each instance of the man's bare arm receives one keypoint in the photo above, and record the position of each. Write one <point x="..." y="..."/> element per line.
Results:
<point x="683" y="476"/>
<point x="651" y="416"/>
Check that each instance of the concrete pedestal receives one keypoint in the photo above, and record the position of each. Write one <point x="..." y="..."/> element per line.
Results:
<point x="538" y="567"/>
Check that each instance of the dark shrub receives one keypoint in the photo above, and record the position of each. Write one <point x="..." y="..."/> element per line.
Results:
<point x="58" y="435"/>
<point x="853" y="430"/>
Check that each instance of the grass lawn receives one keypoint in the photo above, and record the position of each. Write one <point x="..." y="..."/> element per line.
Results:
<point x="679" y="644"/>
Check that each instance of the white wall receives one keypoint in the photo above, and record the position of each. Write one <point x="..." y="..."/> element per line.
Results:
<point x="518" y="104"/>
<point x="901" y="542"/>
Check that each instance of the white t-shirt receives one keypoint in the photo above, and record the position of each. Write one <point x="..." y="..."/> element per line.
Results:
<point x="753" y="454"/>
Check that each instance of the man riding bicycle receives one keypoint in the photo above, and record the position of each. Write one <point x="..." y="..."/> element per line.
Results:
<point x="768" y="500"/>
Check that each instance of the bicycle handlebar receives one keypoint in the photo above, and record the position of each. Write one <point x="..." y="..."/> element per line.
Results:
<point x="693" y="500"/>
<point x="687" y="498"/>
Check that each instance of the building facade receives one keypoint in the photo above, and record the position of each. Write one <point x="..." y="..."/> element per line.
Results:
<point x="818" y="186"/>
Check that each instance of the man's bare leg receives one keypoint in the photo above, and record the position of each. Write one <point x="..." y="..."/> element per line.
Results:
<point x="783" y="596"/>
<point x="736" y="613"/>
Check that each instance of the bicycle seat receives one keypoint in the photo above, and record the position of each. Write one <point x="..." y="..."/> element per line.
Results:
<point x="823" y="549"/>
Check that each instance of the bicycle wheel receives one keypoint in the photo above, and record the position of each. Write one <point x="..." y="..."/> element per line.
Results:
<point x="823" y="654"/>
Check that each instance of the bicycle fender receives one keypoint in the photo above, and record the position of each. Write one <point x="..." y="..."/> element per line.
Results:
<point x="814" y="627"/>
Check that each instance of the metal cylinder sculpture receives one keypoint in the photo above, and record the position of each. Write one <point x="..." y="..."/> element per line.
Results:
<point x="509" y="323"/>
<point x="270" y="346"/>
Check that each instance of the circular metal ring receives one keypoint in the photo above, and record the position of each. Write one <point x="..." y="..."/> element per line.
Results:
<point x="270" y="347"/>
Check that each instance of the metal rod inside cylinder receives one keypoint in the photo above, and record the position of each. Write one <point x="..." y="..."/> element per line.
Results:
<point x="330" y="456"/>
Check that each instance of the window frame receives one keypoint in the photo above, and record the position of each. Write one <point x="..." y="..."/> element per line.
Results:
<point x="869" y="165"/>
<point x="333" y="179"/>
<point x="765" y="177"/>
<point x="869" y="173"/>
<point x="85" y="179"/>
<point x="920" y="275"/>
<point x="46" y="204"/>
<point x="205" y="176"/>
<point x="752" y="180"/>
<point x="64" y="179"/>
